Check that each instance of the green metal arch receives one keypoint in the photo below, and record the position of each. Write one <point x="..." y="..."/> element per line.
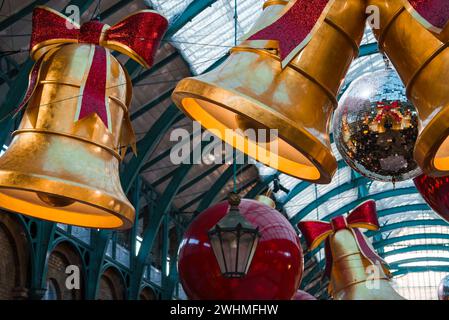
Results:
<point x="408" y="224"/>
<point x="397" y="264"/>
<point x="414" y="236"/>
<point x="406" y="270"/>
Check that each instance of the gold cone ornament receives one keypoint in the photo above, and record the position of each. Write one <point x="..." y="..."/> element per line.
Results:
<point x="355" y="270"/>
<point x="415" y="36"/>
<point x="267" y="84"/>
<point x="62" y="163"/>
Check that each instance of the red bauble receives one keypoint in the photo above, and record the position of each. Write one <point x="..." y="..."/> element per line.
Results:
<point x="435" y="192"/>
<point x="302" y="295"/>
<point x="276" y="269"/>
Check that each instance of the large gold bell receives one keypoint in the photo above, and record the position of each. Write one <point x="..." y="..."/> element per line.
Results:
<point x="63" y="170"/>
<point x="250" y="90"/>
<point x="353" y="277"/>
<point x="421" y="58"/>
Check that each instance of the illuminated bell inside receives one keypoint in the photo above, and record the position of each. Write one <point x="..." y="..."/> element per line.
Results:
<point x="254" y="131"/>
<point x="443" y="289"/>
<point x="234" y="241"/>
<point x="54" y="201"/>
<point x="375" y="128"/>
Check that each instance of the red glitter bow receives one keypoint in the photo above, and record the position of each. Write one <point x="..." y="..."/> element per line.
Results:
<point x="294" y="29"/>
<point x="388" y="109"/>
<point x="137" y="36"/>
<point x="432" y="14"/>
<point x="364" y="216"/>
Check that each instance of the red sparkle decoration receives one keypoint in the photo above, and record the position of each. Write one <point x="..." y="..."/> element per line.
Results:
<point x="431" y="13"/>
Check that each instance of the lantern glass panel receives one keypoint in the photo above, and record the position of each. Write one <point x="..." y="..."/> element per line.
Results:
<point x="215" y="242"/>
<point x="230" y="249"/>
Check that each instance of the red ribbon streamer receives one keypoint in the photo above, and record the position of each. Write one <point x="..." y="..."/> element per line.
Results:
<point x="93" y="96"/>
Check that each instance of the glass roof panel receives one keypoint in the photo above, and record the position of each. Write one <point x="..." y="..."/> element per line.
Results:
<point x="170" y="9"/>
<point x="211" y="34"/>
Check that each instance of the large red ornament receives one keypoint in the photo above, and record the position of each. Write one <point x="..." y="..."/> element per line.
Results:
<point x="301" y="295"/>
<point x="276" y="269"/>
<point x="435" y="192"/>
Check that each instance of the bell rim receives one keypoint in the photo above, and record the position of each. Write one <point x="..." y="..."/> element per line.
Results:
<point x="126" y="214"/>
<point x="321" y="158"/>
<point x="429" y="141"/>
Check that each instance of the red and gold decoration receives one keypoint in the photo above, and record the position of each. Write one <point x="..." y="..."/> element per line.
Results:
<point x="375" y="128"/>
<point x="415" y="36"/>
<point x="234" y="241"/>
<point x="62" y="163"/>
<point x="301" y="295"/>
<point x="435" y="191"/>
<point x="355" y="270"/>
<point x="284" y="76"/>
<point x="276" y="268"/>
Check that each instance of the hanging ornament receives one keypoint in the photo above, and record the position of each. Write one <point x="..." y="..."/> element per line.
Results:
<point x="301" y="295"/>
<point x="234" y="241"/>
<point x="415" y="36"/>
<point x="62" y="163"/>
<point x="435" y="191"/>
<point x="355" y="270"/>
<point x="443" y="289"/>
<point x="276" y="267"/>
<point x="375" y="128"/>
<point x="284" y="76"/>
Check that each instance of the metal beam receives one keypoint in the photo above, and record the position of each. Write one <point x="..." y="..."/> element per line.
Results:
<point x="403" y="208"/>
<point x="9" y="21"/>
<point x="397" y="264"/>
<point x="219" y="184"/>
<point x="163" y="155"/>
<point x="376" y="196"/>
<point x="341" y="188"/>
<point x="368" y="49"/>
<point x="158" y="65"/>
<point x="147" y="145"/>
<point x="421" y="247"/>
<point x="408" y="237"/>
<point x="192" y="10"/>
<point x="405" y="270"/>
<point x="114" y="8"/>
<point x="151" y="104"/>
<point x="162" y="207"/>
<point x="195" y="8"/>
<point x="200" y="177"/>
<point x="408" y="224"/>
<point x="301" y="186"/>
<point x="16" y="92"/>
<point x="261" y="186"/>
<point x="205" y="195"/>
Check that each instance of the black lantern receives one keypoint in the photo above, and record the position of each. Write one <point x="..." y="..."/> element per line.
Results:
<point x="234" y="240"/>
